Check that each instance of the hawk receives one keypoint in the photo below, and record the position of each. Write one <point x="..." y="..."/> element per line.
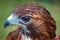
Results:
<point x="34" y="22"/>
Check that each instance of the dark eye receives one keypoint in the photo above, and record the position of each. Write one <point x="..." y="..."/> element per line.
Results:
<point x="26" y="18"/>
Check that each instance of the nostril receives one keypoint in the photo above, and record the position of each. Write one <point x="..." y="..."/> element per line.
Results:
<point x="6" y="24"/>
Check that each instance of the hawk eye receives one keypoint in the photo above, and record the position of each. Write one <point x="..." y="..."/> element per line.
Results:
<point x="26" y="18"/>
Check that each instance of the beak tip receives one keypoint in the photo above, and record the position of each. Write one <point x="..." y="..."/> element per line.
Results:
<point x="6" y="24"/>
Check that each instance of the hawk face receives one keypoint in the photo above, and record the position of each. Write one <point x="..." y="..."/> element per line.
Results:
<point x="33" y="20"/>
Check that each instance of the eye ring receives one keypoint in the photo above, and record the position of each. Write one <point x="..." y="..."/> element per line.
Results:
<point x="26" y="18"/>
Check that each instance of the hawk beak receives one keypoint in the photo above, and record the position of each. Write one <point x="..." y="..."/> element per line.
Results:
<point x="12" y="21"/>
<point x="7" y="22"/>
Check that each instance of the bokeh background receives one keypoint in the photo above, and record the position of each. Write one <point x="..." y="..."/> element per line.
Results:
<point x="6" y="7"/>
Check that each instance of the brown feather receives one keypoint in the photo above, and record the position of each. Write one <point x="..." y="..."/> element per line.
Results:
<point x="41" y="27"/>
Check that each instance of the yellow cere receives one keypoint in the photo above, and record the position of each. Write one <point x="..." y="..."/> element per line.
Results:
<point x="10" y="17"/>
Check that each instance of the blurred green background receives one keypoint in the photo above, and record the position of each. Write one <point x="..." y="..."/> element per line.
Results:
<point x="6" y="7"/>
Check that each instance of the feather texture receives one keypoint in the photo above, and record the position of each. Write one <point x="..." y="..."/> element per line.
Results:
<point x="41" y="26"/>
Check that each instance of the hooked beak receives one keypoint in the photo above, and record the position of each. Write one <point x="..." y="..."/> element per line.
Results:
<point x="11" y="20"/>
<point x="7" y="23"/>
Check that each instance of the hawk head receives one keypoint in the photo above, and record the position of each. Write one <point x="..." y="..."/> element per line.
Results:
<point x="33" y="20"/>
